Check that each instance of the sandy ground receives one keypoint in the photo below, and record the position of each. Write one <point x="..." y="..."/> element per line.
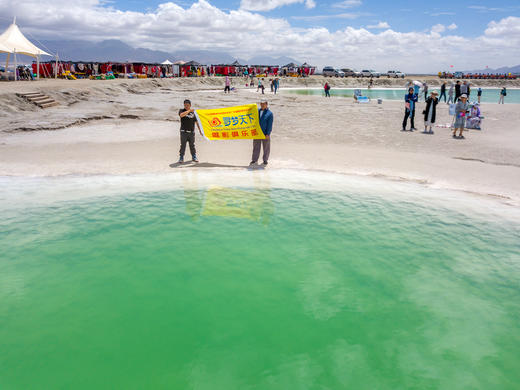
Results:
<point x="131" y="126"/>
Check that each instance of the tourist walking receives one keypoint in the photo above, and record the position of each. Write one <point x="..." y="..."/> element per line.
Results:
<point x="266" y="124"/>
<point x="227" y="87"/>
<point x="503" y="94"/>
<point x="450" y="93"/>
<point x="188" y="120"/>
<point x="457" y="91"/>
<point x="276" y="84"/>
<point x="409" y="111"/>
<point x="260" y="86"/>
<point x="461" y="110"/>
<point x="326" y="87"/>
<point x="443" y="92"/>
<point x="479" y="94"/>
<point x="430" y="112"/>
<point x="464" y="88"/>
<point x="425" y="87"/>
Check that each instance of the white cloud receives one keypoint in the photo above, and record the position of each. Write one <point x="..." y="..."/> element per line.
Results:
<point x="244" y="34"/>
<point x="452" y="26"/>
<point x="505" y="28"/>
<point x="310" y="4"/>
<point x="347" y="4"/>
<point x="268" y="5"/>
<point x="438" y="28"/>
<point x="441" y="13"/>
<point x="482" y="8"/>
<point x="380" y="25"/>
<point x="323" y="17"/>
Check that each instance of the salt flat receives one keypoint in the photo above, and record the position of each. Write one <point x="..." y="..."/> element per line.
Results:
<point x="131" y="127"/>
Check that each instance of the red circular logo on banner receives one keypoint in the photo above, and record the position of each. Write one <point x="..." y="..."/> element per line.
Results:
<point x="215" y="122"/>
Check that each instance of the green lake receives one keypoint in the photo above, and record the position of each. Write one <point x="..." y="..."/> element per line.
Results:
<point x="255" y="280"/>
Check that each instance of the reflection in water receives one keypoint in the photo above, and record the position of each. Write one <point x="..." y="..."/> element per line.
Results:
<point x="254" y="204"/>
<point x="192" y="194"/>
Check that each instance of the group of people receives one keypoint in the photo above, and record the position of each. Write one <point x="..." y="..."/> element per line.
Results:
<point x="274" y="83"/>
<point x="465" y="116"/>
<point x="187" y="132"/>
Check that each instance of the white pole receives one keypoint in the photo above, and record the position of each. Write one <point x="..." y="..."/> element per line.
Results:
<point x="15" y="66"/>
<point x="38" y="67"/>
<point x="56" y="69"/>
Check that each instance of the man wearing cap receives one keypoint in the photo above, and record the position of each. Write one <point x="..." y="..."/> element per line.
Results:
<point x="266" y="124"/>
<point x="188" y="121"/>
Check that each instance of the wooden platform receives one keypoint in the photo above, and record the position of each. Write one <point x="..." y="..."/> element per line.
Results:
<point x="41" y="100"/>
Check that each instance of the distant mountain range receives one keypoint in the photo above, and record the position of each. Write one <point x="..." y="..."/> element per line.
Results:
<point x="118" y="51"/>
<point x="504" y="69"/>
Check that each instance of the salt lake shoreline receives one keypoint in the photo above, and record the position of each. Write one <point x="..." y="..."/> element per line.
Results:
<point x="126" y="127"/>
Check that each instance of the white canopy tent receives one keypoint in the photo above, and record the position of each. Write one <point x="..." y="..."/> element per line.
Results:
<point x="167" y="62"/>
<point x="12" y="41"/>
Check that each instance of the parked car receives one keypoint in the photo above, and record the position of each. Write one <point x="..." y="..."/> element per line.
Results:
<point x="395" y="74"/>
<point x="370" y="73"/>
<point x="328" y="71"/>
<point x="331" y="72"/>
<point x="350" y="72"/>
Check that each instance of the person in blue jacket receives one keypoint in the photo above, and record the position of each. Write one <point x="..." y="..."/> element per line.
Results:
<point x="266" y="124"/>
<point x="410" y="100"/>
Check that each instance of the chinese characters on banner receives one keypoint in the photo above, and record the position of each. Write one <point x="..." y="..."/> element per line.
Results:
<point x="239" y="122"/>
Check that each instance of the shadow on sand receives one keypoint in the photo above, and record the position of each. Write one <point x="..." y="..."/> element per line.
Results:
<point x="210" y="165"/>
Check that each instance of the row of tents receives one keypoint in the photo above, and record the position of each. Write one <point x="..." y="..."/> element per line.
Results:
<point x="14" y="43"/>
<point x="83" y="69"/>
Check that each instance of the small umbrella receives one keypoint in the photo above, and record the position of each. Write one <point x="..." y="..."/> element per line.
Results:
<point x="418" y="83"/>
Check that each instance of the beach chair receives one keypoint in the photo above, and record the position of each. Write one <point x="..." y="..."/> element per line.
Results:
<point x="359" y="98"/>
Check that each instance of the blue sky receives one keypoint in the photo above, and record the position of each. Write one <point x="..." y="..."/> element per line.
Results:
<point x="412" y="36"/>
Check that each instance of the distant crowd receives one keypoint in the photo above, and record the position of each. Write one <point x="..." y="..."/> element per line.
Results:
<point x="480" y="76"/>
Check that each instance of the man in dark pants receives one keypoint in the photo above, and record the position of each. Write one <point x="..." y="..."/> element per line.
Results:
<point x="410" y="100"/>
<point x="266" y="124"/>
<point x="457" y="91"/>
<point x="443" y="92"/>
<point x="188" y="121"/>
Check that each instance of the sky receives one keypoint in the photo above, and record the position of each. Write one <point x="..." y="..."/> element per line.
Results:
<point x="411" y="36"/>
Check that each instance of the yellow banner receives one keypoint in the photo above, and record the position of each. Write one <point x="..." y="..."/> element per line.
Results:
<point x="239" y="122"/>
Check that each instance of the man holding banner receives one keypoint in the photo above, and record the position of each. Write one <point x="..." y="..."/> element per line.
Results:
<point x="188" y="121"/>
<point x="266" y="124"/>
<point x="239" y="122"/>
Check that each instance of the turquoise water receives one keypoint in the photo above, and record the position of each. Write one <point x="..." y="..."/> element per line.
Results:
<point x="184" y="282"/>
<point x="488" y="95"/>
